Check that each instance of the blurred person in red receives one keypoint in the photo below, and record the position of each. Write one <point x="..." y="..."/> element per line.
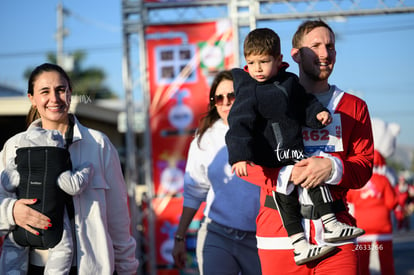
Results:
<point x="402" y="211"/>
<point x="410" y="207"/>
<point x="373" y="204"/>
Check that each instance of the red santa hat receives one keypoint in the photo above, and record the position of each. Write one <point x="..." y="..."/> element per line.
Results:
<point x="379" y="160"/>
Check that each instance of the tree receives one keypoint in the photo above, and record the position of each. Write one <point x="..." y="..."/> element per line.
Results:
<point x="88" y="82"/>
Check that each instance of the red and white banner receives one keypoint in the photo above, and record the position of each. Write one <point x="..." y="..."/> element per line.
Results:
<point x="182" y="62"/>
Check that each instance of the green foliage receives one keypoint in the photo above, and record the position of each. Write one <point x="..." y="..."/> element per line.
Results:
<point x="88" y="82"/>
<point x="397" y="166"/>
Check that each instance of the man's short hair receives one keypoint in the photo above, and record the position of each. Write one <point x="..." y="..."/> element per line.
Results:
<point x="305" y="28"/>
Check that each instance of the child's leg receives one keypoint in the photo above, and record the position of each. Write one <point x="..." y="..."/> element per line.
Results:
<point x="289" y="211"/>
<point x="14" y="258"/>
<point x="335" y="231"/>
<point x="61" y="256"/>
<point x="322" y="200"/>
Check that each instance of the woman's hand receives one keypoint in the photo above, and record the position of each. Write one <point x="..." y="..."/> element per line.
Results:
<point x="24" y="216"/>
<point x="311" y="172"/>
<point x="179" y="254"/>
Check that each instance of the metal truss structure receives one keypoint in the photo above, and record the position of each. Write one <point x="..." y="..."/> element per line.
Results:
<point x="139" y="14"/>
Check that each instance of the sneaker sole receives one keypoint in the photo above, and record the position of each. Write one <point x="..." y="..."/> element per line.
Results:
<point x="344" y="238"/>
<point x="320" y="256"/>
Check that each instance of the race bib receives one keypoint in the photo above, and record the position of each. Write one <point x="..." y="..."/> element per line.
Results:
<point x="328" y="139"/>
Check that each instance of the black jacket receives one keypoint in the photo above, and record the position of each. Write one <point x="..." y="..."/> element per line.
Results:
<point x="266" y="119"/>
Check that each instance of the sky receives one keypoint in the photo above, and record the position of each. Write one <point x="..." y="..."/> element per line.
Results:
<point x="374" y="53"/>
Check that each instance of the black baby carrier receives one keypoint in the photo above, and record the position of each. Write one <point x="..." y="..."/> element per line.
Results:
<point x="39" y="168"/>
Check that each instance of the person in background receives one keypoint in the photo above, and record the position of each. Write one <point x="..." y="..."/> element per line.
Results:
<point x="373" y="204"/>
<point x="349" y="142"/>
<point x="404" y="208"/>
<point x="100" y="221"/>
<point x="226" y="242"/>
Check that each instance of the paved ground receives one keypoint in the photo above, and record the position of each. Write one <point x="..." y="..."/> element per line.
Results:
<point x="403" y="248"/>
<point x="404" y="253"/>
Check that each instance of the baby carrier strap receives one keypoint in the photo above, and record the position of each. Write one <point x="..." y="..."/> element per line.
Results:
<point x="68" y="142"/>
<point x="39" y="168"/>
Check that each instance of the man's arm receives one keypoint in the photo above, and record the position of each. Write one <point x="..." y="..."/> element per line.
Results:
<point x="356" y="161"/>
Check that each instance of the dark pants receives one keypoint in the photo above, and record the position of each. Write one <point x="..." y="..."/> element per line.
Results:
<point x="39" y="270"/>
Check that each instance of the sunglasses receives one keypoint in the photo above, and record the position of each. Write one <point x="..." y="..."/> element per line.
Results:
<point x="219" y="99"/>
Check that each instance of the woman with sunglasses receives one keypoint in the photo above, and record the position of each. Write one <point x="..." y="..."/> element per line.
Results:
<point x="99" y="215"/>
<point x="226" y="242"/>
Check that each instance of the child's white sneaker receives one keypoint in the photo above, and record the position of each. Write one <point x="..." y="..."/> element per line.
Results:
<point x="313" y="252"/>
<point x="338" y="231"/>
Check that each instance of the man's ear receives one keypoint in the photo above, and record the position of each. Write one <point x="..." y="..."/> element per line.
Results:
<point x="295" y="55"/>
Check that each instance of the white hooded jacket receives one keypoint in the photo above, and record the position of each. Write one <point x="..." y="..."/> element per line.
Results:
<point x="102" y="223"/>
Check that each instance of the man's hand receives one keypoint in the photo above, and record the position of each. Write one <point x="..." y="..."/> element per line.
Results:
<point x="311" y="172"/>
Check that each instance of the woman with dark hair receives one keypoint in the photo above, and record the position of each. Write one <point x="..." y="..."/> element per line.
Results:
<point x="226" y="242"/>
<point x="100" y="219"/>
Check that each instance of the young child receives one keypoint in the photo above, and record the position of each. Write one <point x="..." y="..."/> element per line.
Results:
<point x="266" y="129"/>
<point x="42" y="175"/>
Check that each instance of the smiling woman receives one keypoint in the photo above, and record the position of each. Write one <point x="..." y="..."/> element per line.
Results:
<point x="50" y="96"/>
<point x="49" y="91"/>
